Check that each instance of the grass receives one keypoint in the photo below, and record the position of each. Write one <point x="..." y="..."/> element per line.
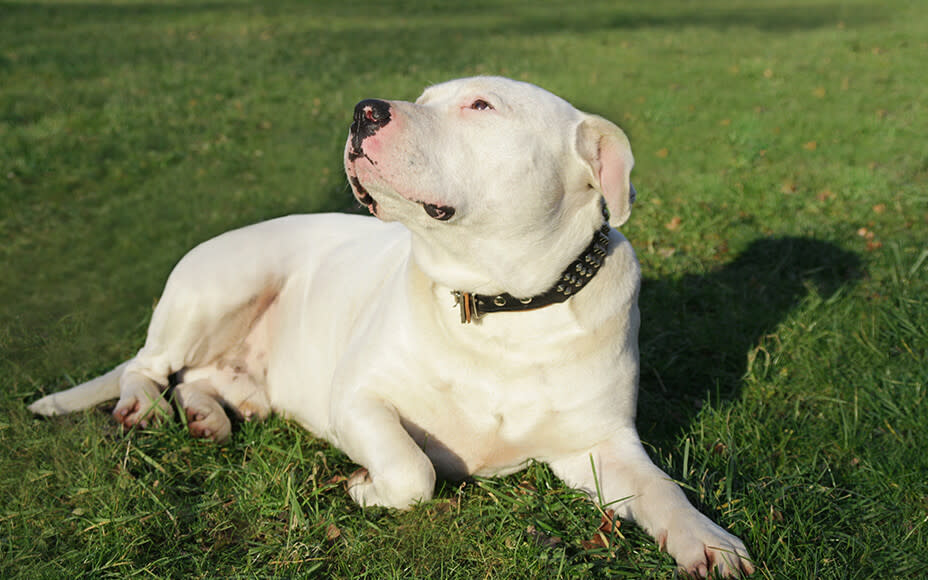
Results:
<point x="782" y="225"/>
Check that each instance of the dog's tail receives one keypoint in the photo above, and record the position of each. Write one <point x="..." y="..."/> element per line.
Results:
<point x="83" y="396"/>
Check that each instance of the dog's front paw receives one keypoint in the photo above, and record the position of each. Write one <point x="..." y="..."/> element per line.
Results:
<point x="401" y="493"/>
<point x="699" y="546"/>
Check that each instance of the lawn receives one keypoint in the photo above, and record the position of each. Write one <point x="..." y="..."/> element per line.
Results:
<point x="782" y="226"/>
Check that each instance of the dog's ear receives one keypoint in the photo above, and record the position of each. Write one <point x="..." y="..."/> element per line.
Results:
<point x="605" y="149"/>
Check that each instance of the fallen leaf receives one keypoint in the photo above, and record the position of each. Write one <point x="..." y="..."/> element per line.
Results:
<point x="768" y="73"/>
<point x="444" y="506"/>
<point x="725" y="122"/>
<point x="608" y="523"/>
<point x="526" y="486"/>
<point x="674" y="223"/>
<point x="879" y="208"/>
<point x="662" y="153"/>
<point x="810" y="146"/>
<point x="666" y="252"/>
<point x="789" y="187"/>
<point x="874" y="245"/>
<point x="598" y="541"/>
<point x="824" y="195"/>
<point x="332" y="533"/>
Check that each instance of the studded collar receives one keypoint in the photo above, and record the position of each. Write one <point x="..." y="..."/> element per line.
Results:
<point x="572" y="280"/>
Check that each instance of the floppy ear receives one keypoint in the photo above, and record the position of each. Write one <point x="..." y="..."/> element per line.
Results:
<point x="605" y="149"/>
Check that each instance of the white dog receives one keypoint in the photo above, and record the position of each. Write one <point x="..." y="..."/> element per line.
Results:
<point x="488" y="317"/>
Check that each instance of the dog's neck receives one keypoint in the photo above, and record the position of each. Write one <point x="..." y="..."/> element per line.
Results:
<point x="577" y="274"/>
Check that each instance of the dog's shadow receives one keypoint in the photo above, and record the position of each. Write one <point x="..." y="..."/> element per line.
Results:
<point x="697" y="330"/>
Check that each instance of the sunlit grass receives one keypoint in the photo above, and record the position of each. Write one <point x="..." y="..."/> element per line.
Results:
<point x="782" y="225"/>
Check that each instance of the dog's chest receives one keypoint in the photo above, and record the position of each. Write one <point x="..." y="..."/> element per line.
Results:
<point x="491" y="423"/>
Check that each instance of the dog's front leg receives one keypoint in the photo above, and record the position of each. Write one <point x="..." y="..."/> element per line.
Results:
<point x="620" y="474"/>
<point x="396" y="473"/>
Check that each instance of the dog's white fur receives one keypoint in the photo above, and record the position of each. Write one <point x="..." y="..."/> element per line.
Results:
<point x="347" y="324"/>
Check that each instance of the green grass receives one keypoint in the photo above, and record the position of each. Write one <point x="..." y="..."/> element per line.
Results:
<point x="782" y="226"/>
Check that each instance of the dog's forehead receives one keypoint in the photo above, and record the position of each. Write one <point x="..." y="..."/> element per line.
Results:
<point x="507" y="91"/>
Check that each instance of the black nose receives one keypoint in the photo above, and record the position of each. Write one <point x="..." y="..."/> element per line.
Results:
<point x="370" y="115"/>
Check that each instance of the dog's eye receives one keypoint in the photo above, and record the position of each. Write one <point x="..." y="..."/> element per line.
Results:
<point x="480" y="105"/>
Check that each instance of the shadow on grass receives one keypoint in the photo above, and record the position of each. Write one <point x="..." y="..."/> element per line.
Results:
<point x="697" y="330"/>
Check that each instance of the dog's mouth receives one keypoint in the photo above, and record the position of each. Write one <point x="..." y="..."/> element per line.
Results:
<point x="437" y="211"/>
<point x="441" y="213"/>
<point x="362" y="195"/>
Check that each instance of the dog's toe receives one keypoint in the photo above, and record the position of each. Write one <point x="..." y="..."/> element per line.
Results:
<point x="700" y="548"/>
<point x="213" y="425"/>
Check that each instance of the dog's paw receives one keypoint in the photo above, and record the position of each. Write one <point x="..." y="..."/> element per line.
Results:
<point x="401" y="491"/>
<point x="255" y="408"/>
<point x="47" y="406"/>
<point x="145" y="410"/>
<point x="360" y="487"/>
<point x="209" y="423"/>
<point x="699" y="546"/>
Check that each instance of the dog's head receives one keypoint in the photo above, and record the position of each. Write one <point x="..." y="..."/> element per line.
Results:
<point x="489" y="174"/>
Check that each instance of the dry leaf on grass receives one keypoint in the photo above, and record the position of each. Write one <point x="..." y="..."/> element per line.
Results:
<point x="674" y="223"/>
<point x="332" y="533"/>
<point x="789" y="187"/>
<point x="607" y="527"/>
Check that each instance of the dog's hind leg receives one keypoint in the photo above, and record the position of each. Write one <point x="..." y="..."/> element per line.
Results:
<point x="83" y="396"/>
<point x="205" y="416"/>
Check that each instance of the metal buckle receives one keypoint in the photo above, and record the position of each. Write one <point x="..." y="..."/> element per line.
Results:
<point x="467" y="304"/>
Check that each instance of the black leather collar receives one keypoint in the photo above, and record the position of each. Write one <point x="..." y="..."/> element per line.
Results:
<point x="572" y="280"/>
